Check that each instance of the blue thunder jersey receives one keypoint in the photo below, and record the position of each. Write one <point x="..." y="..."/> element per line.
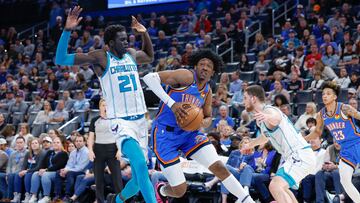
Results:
<point x="121" y="88"/>
<point x="341" y="127"/>
<point x="190" y="94"/>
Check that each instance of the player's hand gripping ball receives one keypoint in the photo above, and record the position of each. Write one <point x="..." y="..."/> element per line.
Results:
<point x="191" y="117"/>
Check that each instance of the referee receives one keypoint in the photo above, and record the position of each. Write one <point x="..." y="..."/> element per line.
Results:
<point x="103" y="152"/>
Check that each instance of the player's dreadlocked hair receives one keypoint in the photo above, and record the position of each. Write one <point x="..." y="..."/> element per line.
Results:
<point x="196" y="56"/>
<point x="331" y="85"/>
<point x="110" y="32"/>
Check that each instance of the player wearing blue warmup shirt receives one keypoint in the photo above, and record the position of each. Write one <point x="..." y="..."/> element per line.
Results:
<point x="339" y="119"/>
<point x="121" y="89"/>
<point x="168" y="138"/>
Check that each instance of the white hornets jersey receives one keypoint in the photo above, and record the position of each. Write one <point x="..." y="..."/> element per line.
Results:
<point x="285" y="138"/>
<point x="121" y="87"/>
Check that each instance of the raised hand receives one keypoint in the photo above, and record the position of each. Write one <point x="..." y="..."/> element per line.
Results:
<point x="73" y="19"/>
<point x="137" y="27"/>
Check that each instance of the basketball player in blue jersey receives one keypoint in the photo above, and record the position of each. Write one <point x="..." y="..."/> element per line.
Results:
<point x="339" y="120"/>
<point x="168" y="138"/>
<point x="276" y="127"/>
<point x="121" y="89"/>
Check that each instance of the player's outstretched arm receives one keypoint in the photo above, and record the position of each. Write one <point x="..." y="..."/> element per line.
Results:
<point x="269" y="116"/>
<point x="146" y="55"/>
<point x="262" y="139"/>
<point x="350" y="111"/>
<point x="318" y="129"/>
<point x="62" y="56"/>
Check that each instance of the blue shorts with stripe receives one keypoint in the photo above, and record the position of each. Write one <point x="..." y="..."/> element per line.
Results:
<point x="168" y="141"/>
<point x="350" y="155"/>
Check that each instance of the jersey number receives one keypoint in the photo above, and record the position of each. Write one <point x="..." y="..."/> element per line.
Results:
<point x="339" y="135"/>
<point x="127" y="83"/>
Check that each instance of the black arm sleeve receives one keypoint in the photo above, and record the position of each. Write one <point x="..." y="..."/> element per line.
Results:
<point x="92" y="124"/>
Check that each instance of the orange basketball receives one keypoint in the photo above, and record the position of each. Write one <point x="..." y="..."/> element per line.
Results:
<point x="194" y="118"/>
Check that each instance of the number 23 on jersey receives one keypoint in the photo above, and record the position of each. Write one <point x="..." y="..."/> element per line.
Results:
<point x="339" y="135"/>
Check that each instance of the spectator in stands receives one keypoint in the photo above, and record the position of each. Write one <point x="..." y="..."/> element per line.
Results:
<point x="223" y="115"/>
<point x="30" y="165"/>
<point x="320" y="29"/>
<point x="334" y="21"/>
<point x="152" y="29"/>
<point x="80" y="82"/>
<point x="44" y="115"/>
<point x="46" y="142"/>
<point x="57" y="29"/>
<point x="69" y="102"/>
<point x="162" y="43"/>
<point x="3" y="74"/>
<point x="4" y="157"/>
<point x="81" y="104"/>
<point x="26" y="86"/>
<point x="175" y="43"/>
<point x="162" y="65"/>
<point x="15" y="162"/>
<point x="87" y="72"/>
<point x="285" y="29"/>
<point x="277" y="50"/>
<point x="7" y="61"/>
<point x="356" y="35"/>
<point x="354" y="103"/>
<point x="330" y="58"/>
<point x="10" y="81"/>
<point x="329" y="173"/>
<point x="7" y="102"/>
<point x="349" y="56"/>
<point x="199" y="40"/>
<point x="45" y="91"/>
<point x="336" y="35"/>
<point x="343" y="80"/>
<point x="235" y="84"/>
<point x="164" y="25"/>
<point x="247" y="121"/>
<point x="186" y="27"/>
<point x="24" y="132"/>
<point x="326" y="42"/>
<point x="327" y="73"/>
<point x="312" y="58"/>
<point x="53" y="82"/>
<point x="261" y="64"/>
<point x="300" y="28"/>
<point x="39" y="63"/>
<point x="192" y="16"/>
<point x="292" y="38"/>
<point x="185" y="56"/>
<point x="34" y="75"/>
<point x="173" y="54"/>
<point x="85" y="42"/>
<point x="244" y="63"/>
<point x="222" y="95"/>
<point x="54" y="160"/>
<point x="354" y="80"/>
<point x="259" y="44"/>
<point x="2" y="122"/>
<point x="237" y="98"/>
<point x="286" y="109"/>
<point x="18" y="107"/>
<point x="310" y="112"/>
<point x="29" y="48"/>
<point x="60" y="114"/>
<point x="295" y="84"/>
<point x="208" y="44"/>
<point x="76" y="165"/>
<point x="279" y="100"/>
<point x="36" y="106"/>
<point x="227" y="21"/>
<point x="278" y="89"/>
<point x="308" y="183"/>
<point x="244" y="21"/>
<point x="203" y="24"/>
<point x="263" y="81"/>
<point x="68" y="83"/>
<point x="219" y="31"/>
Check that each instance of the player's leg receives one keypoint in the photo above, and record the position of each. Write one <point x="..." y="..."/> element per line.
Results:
<point x="279" y="189"/>
<point x="176" y="186"/>
<point x="346" y="171"/>
<point x="206" y="155"/>
<point x="140" y="180"/>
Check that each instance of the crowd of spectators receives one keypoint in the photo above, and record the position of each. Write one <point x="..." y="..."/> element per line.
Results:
<point x="315" y="44"/>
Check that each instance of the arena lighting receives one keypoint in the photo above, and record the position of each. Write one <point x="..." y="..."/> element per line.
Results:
<point x="130" y="3"/>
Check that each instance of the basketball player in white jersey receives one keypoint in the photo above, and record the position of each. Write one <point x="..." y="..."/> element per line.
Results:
<point x="276" y="127"/>
<point x="121" y="89"/>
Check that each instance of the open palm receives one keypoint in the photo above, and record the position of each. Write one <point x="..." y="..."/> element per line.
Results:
<point x="73" y="18"/>
<point x="136" y="26"/>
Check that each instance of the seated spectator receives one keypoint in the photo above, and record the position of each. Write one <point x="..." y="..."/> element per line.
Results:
<point x="244" y="63"/>
<point x="76" y="165"/>
<point x="133" y="43"/>
<point x="185" y="27"/>
<point x="286" y="109"/>
<point x="45" y="90"/>
<point x="263" y="81"/>
<point x="26" y="86"/>
<point x="173" y="54"/>
<point x="312" y="58"/>
<point x="87" y="72"/>
<point x="185" y="56"/>
<point x="34" y="75"/>
<point x="3" y="164"/>
<point x="247" y="121"/>
<point x="278" y="89"/>
<point x="327" y="73"/>
<point x="237" y="99"/>
<point x="8" y="133"/>
<point x="53" y="82"/>
<point x="261" y="64"/>
<point x="60" y="114"/>
<point x="320" y="29"/>
<point x="152" y="29"/>
<point x="24" y="132"/>
<point x="44" y="116"/>
<point x="162" y="44"/>
<point x="208" y="44"/>
<point x="68" y="83"/>
<point x="292" y="39"/>
<point x="221" y="97"/>
<point x="225" y="133"/>
<point x="19" y="106"/>
<point x="199" y="40"/>
<point x="219" y="31"/>
<point x="279" y="100"/>
<point x="259" y="44"/>
<point x="329" y="173"/>
<point x="223" y="115"/>
<point x="235" y="84"/>
<point x="310" y="112"/>
<point x="30" y="165"/>
<point x="85" y="42"/>
<point x="14" y="166"/>
<point x="69" y="102"/>
<point x="349" y="57"/>
<point x="161" y="66"/>
<point x="203" y="23"/>
<point x="330" y="58"/>
<point x="327" y="42"/>
<point x="308" y="183"/>
<point x="54" y="160"/>
<point x="164" y="25"/>
<point x="81" y="104"/>
<point x="343" y="80"/>
<point x="83" y="182"/>
<point x="354" y="80"/>
<point x="295" y="84"/>
<point x="7" y="102"/>
<point x="244" y="21"/>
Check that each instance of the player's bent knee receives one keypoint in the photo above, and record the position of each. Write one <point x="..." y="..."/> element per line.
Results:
<point x="219" y="170"/>
<point x="275" y="186"/>
<point x="179" y="190"/>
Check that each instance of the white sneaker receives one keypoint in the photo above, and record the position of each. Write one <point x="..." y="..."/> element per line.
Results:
<point x="17" y="197"/>
<point x="246" y="199"/>
<point x="27" y="198"/>
<point x="33" y="199"/>
<point x="45" y="199"/>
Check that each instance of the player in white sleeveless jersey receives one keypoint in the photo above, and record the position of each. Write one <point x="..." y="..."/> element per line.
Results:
<point x="121" y="89"/>
<point x="276" y="127"/>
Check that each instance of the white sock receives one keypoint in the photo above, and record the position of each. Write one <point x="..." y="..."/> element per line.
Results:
<point x="246" y="188"/>
<point x="346" y="173"/>
<point x="233" y="186"/>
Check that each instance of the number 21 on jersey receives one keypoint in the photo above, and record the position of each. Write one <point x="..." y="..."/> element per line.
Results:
<point x="339" y="135"/>
<point x="127" y="83"/>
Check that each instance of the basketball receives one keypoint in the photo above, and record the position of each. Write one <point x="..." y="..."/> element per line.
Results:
<point x="194" y="118"/>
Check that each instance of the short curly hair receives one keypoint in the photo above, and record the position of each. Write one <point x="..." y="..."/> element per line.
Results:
<point x="331" y="85"/>
<point x="196" y="56"/>
<point x="110" y="32"/>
